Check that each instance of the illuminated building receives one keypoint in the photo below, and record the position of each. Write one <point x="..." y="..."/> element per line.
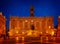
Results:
<point x="58" y="30"/>
<point x="2" y="24"/>
<point x="31" y="26"/>
<point x="49" y="25"/>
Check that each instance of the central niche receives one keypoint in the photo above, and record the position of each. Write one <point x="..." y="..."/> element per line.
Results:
<point x="32" y="25"/>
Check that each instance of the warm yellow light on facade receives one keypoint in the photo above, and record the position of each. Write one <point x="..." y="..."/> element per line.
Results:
<point x="52" y="33"/>
<point x="15" y="27"/>
<point x="29" y="32"/>
<point x="22" y="38"/>
<point x="22" y="32"/>
<point x="26" y="21"/>
<point x="35" y="33"/>
<point x="46" y="31"/>
<point x="10" y="33"/>
<point x="17" y="38"/>
<point x="31" y="20"/>
<point x="16" y="31"/>
<point x="32" y="33"/>
<point x="46" y="38"/>
<point x="41" y="32"/>
<point x="49" y="27"/>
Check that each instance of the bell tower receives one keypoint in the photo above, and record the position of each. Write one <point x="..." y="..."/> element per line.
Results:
<point x="32" y="11"/>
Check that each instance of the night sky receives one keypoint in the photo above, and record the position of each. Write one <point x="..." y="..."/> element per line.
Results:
<point x="22" y="8"/>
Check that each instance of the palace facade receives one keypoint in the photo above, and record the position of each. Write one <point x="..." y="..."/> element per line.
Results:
<point x="31" y="26"/>
<point x="2" y="24"/>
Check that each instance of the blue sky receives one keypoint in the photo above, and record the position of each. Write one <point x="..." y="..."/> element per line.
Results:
<point x="22" y="8"/>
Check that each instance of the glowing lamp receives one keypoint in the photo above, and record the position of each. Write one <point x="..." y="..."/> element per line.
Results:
<point x="52" y="33"/>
